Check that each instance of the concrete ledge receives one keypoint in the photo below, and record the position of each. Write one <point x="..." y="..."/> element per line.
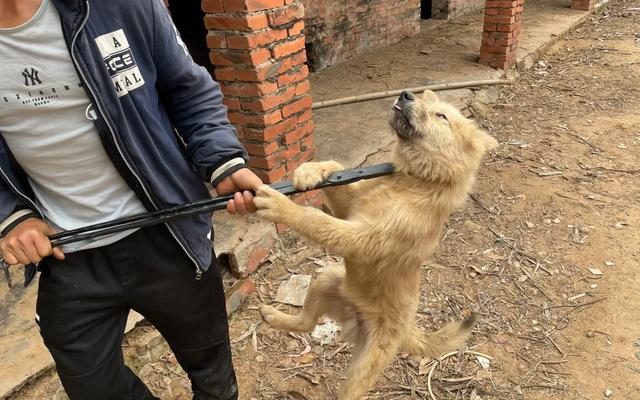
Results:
<point x="532" y="49"/>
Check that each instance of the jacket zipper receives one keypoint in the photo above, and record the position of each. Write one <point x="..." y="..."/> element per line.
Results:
<point x="20" y="194"/>
<point x="199" y="271"/>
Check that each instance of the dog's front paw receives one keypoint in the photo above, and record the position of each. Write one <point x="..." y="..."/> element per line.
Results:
<point x="310" y="174"/>
<point x="269" y="314"/>
<point x="270" y="203"/>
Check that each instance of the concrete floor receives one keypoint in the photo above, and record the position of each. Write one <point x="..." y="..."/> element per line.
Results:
<point x="353" y="134"/>
<point x="358" y="133"/>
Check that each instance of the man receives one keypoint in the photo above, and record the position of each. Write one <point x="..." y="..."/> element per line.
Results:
<point x="104" y="115"/>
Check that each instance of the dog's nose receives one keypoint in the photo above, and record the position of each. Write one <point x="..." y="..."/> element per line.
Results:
<point x="407" y="96"/>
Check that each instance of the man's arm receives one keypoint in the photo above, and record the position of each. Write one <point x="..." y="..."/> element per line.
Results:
<point x="23" y="236"/>
<point x="193" y="101"/>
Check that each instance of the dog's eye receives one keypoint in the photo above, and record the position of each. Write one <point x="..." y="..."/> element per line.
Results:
<point x="441" y="115"/>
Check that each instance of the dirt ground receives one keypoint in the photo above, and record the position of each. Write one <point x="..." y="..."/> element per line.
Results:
<point x="546" y="251"/>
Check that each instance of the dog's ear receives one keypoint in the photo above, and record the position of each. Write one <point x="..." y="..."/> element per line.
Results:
<point x="429" y="97"/>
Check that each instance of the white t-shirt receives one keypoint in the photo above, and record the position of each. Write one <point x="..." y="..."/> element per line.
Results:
<point x="46" y="120"/>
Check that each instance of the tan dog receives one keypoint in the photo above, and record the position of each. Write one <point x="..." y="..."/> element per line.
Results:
<point x="385" y="229"/>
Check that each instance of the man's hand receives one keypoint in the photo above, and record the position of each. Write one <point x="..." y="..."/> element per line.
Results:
<point x="241" y="183"/>
<point x="28" y="243"/>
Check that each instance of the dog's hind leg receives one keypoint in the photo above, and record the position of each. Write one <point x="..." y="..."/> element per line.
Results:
<point x="435" y="344"/>
<point x="372" y="354"/>
<point x="324" y="297"/>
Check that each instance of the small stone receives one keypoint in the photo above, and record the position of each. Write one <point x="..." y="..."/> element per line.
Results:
<point x="484" y="362"/>
<point x="260" y="358"/>
<point x="547" y="221"/>
<point x="608" y="393"/>
<point x="593" y="285"/>
<point x="556" y="220"/>
<point x="595" y="271"/>
<point x="609" y="264"/>
<point x="529" y="224"/>
<point x="294" y="290"/>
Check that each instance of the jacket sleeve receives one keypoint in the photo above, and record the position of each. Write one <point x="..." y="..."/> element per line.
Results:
<point x="12" y="210"/>
<point x="193" y="101"/>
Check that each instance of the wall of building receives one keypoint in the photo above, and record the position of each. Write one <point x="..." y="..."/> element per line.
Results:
<point x="447" y="9"/>
<point x="339" y="30"/>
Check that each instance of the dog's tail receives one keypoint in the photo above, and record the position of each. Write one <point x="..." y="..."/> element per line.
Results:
<point x="445" y="340"/>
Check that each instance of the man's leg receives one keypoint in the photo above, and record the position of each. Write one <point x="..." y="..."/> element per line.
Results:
<point x="82" y="314"/>
<point x="189" y="313"/>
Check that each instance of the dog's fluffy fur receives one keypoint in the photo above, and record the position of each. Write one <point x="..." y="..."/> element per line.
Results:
<point x="385" y="229"/>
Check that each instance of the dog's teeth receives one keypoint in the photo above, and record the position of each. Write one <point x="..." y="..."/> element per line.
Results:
<point x="397" y="107"/>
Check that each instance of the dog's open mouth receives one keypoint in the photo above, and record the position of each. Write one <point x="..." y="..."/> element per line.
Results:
<point x="400" y="122"/>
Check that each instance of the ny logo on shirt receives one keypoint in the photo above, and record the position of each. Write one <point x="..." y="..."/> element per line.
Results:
<point x="31" y="76"/>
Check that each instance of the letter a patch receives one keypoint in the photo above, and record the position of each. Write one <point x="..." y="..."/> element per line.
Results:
<point x="119" y="60"/>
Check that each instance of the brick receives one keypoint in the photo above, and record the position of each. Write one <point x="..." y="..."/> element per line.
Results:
<point x="286" y="48"/>
<point x="499" y="19"/>
<point x="231" y="103"/>
<point x="261" y="148"/>
<point x="256" y="39"/>
<point x="286" y="15"/>
<point x="508" y="11"/>
<point x="237" y="294"/>
<point x="505" y="28"/>
<point x="500" y="4"/>
<point x="248" y="89"/>
<point x="490" y="27"/>
<point x="294" y="60"/>
<point x="240" y="58"/>
<point x="269" y="102"/>
<point x="316" y="201"/>
<point x="290" y="152"/>
<point x="295" y="163"/>
<point x="270" y="132"/>
<point x="236" y="22"/>
<point x="307" y="143"/>
<point x="294" y="76"/>
<point x="303" y="88"/>
<point x="251" y="5"/>
<point x="256" y="73"/>
<point x="297" y="106"/>
<point x="299" y="199"/>
<point x="255" y="120"/>
<point x="298" y="133"/>
<point x="212" y="6"/>
<point x="267" y="162"/>
<point x="216" y="41"/>
<point x="584" y="5"/>
<point x="273" y="175"/>
<point x="296" y="29"/>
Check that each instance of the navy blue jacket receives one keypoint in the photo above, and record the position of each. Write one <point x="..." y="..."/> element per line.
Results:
<point x="165" y="136"/>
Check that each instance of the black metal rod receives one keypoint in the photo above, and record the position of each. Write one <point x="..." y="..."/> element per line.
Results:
<point x="218" y="203"/>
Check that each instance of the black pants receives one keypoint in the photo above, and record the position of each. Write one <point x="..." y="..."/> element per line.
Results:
<point x="83" y="303"/>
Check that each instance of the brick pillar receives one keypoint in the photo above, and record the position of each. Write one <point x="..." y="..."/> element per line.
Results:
<point x="258" y="49"/>
<point x="586" y="5"/>
<point x="502" y="26"/>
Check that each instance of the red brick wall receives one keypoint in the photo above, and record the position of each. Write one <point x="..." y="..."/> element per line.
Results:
<point x="257" y="47"/>
<point x="501" y="33"/>
<point x="339" y="30"/>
